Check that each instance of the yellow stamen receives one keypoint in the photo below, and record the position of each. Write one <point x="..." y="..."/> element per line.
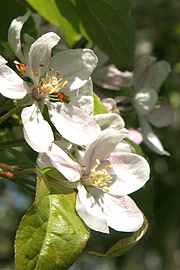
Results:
<point x="100" y="178"/>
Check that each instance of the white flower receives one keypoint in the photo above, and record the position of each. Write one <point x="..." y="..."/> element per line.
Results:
<point x="105" y="180"/>
<point x="55" y="80"/>
<point x="146" y="80"/>
<point x="149" y="75"/>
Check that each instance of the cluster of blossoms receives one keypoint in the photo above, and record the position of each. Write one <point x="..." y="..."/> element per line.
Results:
<point x="87" y="150"/>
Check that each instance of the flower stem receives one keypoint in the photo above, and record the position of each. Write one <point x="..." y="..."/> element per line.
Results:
<point x="8" y="167"/>
<point x="13" y="143"/>
<point x="16" y="177"/>
<point x="9" y="113"/>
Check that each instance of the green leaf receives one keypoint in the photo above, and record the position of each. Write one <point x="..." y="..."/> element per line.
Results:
<point x="98" y="106"/>
<point x="61" y="13"/>
<point x="125" y="244"/>
<point x="110" y="27"/>
<point x="10" y="9"/>
<point x="50" y="235"/>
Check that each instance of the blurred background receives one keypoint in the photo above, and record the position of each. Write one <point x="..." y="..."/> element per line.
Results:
<point x="157" y="25"/>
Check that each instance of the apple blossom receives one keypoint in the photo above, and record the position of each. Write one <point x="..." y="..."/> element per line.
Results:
<point x="103" y="181"/>
<point x="145" y="81"/>
<point x="55" y="82"/>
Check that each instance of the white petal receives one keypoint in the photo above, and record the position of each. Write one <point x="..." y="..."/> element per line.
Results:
<point x="64" y="164"/>
<point x="145" y="100"/>
<point x="111" y="78"/>
<point x="40" y="53"/>
<point x="150" y="139"/>
<point x="122" y="214"/>
<point x="37" y="131"/>
<point x="162" y="116"/>
<point x="14" y="35"/>
<point x="150" y="73"/>
<point x="122" y="147"/>
<point x="72" y="123"/>
<point x="84" y="103"/>
<point x="2" y="61"/>
<point x="109" y="121"/>
<point x="90" y="211"/>
<point x="43" y="161"/>
<point x="11" y="85"/>
<point x="86" y="89"/>
<point x="75" y="65"/>
<point x="129" y="173"/>
<point x="101" y="147"/>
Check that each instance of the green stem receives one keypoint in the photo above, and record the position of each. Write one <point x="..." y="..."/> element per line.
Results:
<point x="13" y="143"/>
<point x="15" y="177"/>
<point x="9" y="113"/>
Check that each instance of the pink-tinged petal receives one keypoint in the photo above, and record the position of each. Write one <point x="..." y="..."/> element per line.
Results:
<point x="145" y="100"/>
<point x="101" y="147"/>
<point x="89" y="210"/>
<point x="64" y="164"/>
<point x="122" y="214"/>
<point x="75" y="65"/>
<point x="14" y="33"/>
<point x="150" y="139"/>
<point x="109" y="121"/>
<point x="129" y="173"/>
<point x="11" y="85"/>
<point x="40" y="53"/>
<point x="111" y="78"/>
<point x="161" y="116"/>
<point x="134" y="135"/>
<point x="150" y="73"/>
<point x="72" y="123"/>
<point x="37" y="131"/>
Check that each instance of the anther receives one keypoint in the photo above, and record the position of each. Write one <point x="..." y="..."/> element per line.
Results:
<point x="20" y="66"/>
<point x="44" y="91"/>
<point x="60" y="95"/>
<point x="37" y="74"/>
<point x="60" y="100"/>
<point x="65" y="83"/>
<point x="38" y="86"/>
<point x="50" y="69"/>
<point x="57" y="73"/>
<point x="41" y="65"/>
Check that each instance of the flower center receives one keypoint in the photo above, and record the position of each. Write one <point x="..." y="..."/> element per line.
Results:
<point x="100" y="178"/>
<point x="49" y="87"/>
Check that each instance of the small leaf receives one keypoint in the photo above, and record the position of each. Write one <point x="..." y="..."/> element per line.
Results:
<point x="50" y="235"/>
<point x="110" y="27"/>
<point x="125" y="244"/>
<point x="61" y="13"/>
<point x="99" y="108"/>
